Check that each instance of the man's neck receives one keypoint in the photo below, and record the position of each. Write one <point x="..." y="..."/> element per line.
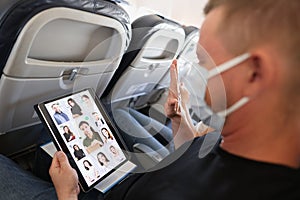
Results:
<point x="277" y="144"/>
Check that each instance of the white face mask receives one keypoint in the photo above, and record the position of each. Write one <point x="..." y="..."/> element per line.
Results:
<point x="217" y="119"/>
<point x="207" y="115"/>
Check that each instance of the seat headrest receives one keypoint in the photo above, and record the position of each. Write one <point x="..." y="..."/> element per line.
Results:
<point x="142" y="29"/>
<point x="14" y="14"/>
<point x="190" y="30"/>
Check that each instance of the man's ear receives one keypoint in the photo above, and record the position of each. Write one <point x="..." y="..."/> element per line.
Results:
<point x="261" y="74"/>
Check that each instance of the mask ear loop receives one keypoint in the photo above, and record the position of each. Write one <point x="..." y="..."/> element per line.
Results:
<point x="228" y="65"/>
<point x="234" y="107"/>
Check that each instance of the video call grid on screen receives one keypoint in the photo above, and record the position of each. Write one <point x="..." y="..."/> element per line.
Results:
<point x="86" y="134"/>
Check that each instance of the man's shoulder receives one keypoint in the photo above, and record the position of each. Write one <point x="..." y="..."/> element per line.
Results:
<point x="201" y="169"/>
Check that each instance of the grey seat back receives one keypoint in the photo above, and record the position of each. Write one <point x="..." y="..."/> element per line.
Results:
<point x="156" y="41"/>
<point x="54" y="47"/>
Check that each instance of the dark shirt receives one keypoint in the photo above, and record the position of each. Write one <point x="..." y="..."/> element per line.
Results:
<point x="69" y="136"/>
<point x="76" y="110"/>
<point x="219" y="175"/>
<point x="79" y="154"/>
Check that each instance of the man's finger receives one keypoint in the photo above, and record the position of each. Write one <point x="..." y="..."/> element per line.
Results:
<point x="174" y="78"/>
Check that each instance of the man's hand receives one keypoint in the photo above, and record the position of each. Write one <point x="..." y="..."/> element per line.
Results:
<point x="176" y="110"/>
<point x="172" y="104"/>
<point x="64" y="177"/>
<point x="178" y="95"/>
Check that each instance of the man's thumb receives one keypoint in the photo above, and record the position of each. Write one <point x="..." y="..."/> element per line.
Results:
<point x="62" y="158"/>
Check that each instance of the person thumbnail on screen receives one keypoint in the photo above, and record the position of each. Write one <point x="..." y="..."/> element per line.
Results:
<point x="92" y="140"/>
<point x="78" y="153"/>
<point x="106" y="135"/>
<point x="68" y="134"/>
<point x="75" y="108"/>
<point x="59" y="116"/>
<point x="91" y="173"/>
<point x="98" y="120"/>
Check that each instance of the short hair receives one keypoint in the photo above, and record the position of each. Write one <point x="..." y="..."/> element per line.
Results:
<point x="54" y="104"/>
<point x="85" y="96"/>
<point x="246" y="24"/>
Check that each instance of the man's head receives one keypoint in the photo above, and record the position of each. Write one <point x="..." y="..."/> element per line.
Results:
<point x="266" y="128"/>
<point x="56" y="107"/>
<point x="96" y="116"/>
<point x="248" y="24"/>
<point x="269" y="31"/>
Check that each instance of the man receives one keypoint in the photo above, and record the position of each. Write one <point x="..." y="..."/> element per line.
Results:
<point x="59" y="116"/>
<point x="98" y="121"/>
<point x="258" y="156"/>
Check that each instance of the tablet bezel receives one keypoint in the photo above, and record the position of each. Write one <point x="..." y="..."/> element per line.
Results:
<point x="60" y="144"/>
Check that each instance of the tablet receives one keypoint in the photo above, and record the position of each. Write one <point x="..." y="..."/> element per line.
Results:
<point x="79" y="126"/>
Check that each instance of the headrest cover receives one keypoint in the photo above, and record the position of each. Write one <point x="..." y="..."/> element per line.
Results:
<point x="14" y="14"/>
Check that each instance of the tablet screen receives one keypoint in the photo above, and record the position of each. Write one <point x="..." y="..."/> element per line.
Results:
<point x="83" y="130"/>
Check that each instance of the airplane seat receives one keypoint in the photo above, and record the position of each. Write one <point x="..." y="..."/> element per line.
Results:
<point x="156" y="41"/>
<point x="129" y="119"/>
<point x="190" y="73"/>
<point x="53" y="47"/>
<point x="188" y="70"/>
<point x="187" y="57"/>
<point x="187" y="65"/>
